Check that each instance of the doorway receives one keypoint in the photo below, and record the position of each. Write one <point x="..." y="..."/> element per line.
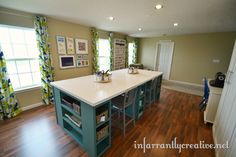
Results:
<point x="163" y="58"/>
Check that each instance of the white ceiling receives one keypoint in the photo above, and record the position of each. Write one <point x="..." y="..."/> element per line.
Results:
<point x="193" y="16"/>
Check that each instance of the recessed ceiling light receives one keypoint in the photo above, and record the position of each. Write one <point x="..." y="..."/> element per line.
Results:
<point x="176" y="24"/>
<point x="111" y="18"/>
<point x="139" y="29"/>
<point x="159" y="6"/>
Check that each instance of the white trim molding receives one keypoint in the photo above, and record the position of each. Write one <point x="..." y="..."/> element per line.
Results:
<point x="32" y="106"/>
<point x="186" y="87"/>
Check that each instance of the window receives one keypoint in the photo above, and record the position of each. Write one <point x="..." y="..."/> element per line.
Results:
<point x="131" y="53"/>
<point x="104" y="54"/>
<point x="22" y="56"/>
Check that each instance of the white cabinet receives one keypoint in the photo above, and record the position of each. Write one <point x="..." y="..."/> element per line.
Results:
<point x="225" y="121"/>
<point x="212" y="104"/>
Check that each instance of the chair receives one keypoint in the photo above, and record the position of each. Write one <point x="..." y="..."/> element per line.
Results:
<point x="150" y="92"/>
<point x="125" y="104"/>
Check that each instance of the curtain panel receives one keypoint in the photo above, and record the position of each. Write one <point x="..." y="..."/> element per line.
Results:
<point x="127" y="52"/>
<point x="135" y="53"/>
<point x="95" y="37"/>
<point x="46" y="69"/>
<point x="111" y="39"/>
<point x="8" y="104"/>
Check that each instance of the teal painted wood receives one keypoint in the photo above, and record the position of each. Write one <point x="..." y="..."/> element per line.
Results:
<point x="105" y="143"/>
<point x="158" y="88"/>
<point x="85" y="136"/>
<point x="57" y="100"/>
<point x="74" y="134"/>
<point x="88" y="116"/>
<point x="76" y="128"/>
<point x="77" y="115"/>
<point x="140" y="97"/>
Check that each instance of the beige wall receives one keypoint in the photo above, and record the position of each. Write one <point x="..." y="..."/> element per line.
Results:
<point x="193" y="55"/>
<point x="30" y="97"/>
<point x="55" y="27"/>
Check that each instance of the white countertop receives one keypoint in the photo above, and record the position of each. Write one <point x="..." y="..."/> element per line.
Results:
<point x="94" y="93"/>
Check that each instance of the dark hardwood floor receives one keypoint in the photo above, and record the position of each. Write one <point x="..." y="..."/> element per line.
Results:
<point x="36" y="134"/>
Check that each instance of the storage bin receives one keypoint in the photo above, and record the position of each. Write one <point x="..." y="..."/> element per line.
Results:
<point x="101" y="117"/>
<point x="102" y="132"/>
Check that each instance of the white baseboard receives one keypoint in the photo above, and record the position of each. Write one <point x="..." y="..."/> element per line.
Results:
<point x="186" y="87"/>
<point x="32" y="106"/>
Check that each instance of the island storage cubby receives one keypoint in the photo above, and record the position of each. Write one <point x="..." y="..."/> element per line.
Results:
<point x="102" y="114"/>
<point x="103" y="128"/>
<point x="71" y="102"/>
<point x="139" y="107"/>
<point x="158" y="88"/>
<point x="73" y="131"/>
<point x="89" y="126"/>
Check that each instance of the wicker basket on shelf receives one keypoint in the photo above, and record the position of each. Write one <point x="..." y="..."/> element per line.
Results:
<point x="102" y="133"/>
<point x="102" y="116"/>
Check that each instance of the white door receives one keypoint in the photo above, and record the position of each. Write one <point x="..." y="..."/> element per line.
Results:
<point x="225" y="122"/>
<point x="163" y="58"/>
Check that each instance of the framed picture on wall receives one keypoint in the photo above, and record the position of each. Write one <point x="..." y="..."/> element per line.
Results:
<point x="66" y="62"/>
<point x="81" y="46"/>
<point x="80" y="57"/>
<point x="82" y="63"/>
<point x="70" y="45"/>
<point x="61" y="45"/>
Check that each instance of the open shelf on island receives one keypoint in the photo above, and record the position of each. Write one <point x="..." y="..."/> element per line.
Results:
<point x="102" y="114"/>
<point x="72" y="131"/>
<point x="140" y="107"/>
<point x="102" y="131"/>
<point x="103" y="146"/>
<point x="70" y="103"/>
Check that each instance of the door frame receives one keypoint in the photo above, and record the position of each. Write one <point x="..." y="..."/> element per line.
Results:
<point x="157" y="54"/>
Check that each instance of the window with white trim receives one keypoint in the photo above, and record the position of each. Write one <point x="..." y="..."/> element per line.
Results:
<point x="104" y="54"/>
<point x="22" y="56"/>
<point x="131" y="53"/>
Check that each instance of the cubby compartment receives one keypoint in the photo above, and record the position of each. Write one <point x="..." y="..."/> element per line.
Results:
<point x="71" y="103"/>
<point x="142" y="91"/>
<point x="75" y="120"/>
<point x="140" y="107"/>
<point x="102" y="114"/>
<point x="74" y="132"/>
<point x="103" y="145"/>
<point x="102" y="131"/>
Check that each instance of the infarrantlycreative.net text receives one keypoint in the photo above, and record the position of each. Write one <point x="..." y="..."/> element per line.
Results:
<point x="174" y="145"/>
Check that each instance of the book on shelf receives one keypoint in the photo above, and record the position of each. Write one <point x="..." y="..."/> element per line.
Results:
<point x="76" y="107"/>
<point x="74" y="120"/>
<point x="67" y="101"/>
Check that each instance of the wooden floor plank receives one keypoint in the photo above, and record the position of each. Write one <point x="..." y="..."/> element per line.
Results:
<point x="35" y="132"/>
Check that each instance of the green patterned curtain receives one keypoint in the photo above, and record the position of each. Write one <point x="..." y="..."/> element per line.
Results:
<point x="111" y="39"/>
<point x="95" y="49"/>
<point x="135" y="54"/>
<point x="46" y="69"/>
<point x="8" y="103"/>
<point x="127" y="52"/>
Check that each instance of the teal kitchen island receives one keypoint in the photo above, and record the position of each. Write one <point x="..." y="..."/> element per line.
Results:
<point x="83" y="106"/>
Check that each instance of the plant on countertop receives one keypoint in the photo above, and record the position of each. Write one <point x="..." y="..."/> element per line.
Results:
<point x="103" y="74"/>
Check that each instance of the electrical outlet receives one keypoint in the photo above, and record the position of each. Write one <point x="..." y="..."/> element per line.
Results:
<point x="216" y="61"/>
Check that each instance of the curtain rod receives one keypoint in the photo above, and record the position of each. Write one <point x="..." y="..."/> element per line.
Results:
<point x="17" y="14"/>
